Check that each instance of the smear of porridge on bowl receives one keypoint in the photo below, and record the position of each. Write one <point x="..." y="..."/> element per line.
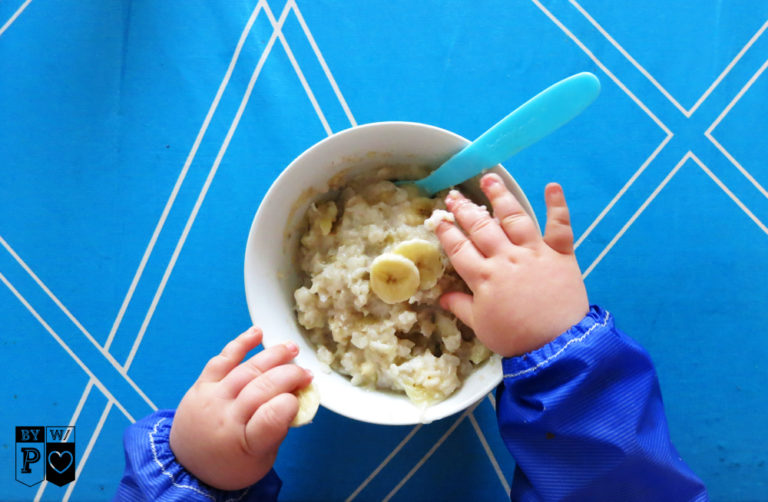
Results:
<point x="373" y="273"/>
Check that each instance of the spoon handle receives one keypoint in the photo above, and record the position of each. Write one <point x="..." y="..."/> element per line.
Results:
<point x="532" y="121"/>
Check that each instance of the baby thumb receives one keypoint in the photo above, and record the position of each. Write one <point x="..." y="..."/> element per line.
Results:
<point x="461" y="306"/>
<point x="267" y="428"/>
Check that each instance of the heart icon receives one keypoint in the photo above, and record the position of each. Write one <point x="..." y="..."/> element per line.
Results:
<point x="60" y="460"/>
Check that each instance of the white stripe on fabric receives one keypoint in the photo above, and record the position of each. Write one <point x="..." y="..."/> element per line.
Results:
<point x="556" y="354"/>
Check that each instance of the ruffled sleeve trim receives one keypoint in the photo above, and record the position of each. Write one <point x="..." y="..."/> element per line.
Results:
<point x="595" y="322"/>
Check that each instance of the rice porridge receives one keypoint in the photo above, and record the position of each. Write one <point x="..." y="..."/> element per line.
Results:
<point x="373" y="273"/>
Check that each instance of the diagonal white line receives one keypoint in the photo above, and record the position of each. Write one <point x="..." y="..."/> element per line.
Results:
<point x="637" y="213"/>
<point x="489" y="452"/>
<point x="318" y="54"/>
<point x="72" y="422"/>
<point x="703" y="97"/>
<point x="204" y="191"/>
<point x="730" y="194"/>
<point x="13" y="17"/>
<point x="647" y="74"/>
<point x="297" y="69"/>
<point x="88" y="449"/>
<point x="66" y="347"/>
<point x="738" y="166"/>
<point x="621" y="192"/>
<point x="82" y="329"/>
<point x="729" y="67"/>
<point x="81" y="403"/>
<point x="183" y="174"/>
<point x="603" y="67"/>
<point x="190" y="157"/>
<point x="726" y="110"/>
<point x="383" y="463"/>
<point x="492" y="400"/>
<point x="322" y="62"/>
<point x="48" y="292"/>
<point x="630" y="58"/>
<point x="430" y="452"/>
<point x="688" y="155"/>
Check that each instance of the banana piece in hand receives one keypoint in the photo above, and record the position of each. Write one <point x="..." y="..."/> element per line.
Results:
<point x="427" y="258"/>
<point x="309" y="402"/>
<point x="394" y="278"/>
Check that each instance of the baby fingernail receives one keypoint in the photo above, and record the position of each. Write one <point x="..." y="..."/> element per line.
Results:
<point x="309" y="373"/>
<point x="455" y="200"/>
<point x="292" y="347"/>
<point x="491" y="181"/>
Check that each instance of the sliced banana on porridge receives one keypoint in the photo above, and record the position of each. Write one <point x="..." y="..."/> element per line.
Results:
<point x="427" y="258"/>
<point x="309" y="402"/>
<point x="394" y="278"/>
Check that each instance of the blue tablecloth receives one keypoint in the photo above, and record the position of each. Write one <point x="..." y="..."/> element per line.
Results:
<point x="137" y="139"/>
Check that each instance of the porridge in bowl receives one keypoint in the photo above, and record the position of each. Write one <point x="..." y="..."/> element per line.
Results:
<point x="372" y="274"/>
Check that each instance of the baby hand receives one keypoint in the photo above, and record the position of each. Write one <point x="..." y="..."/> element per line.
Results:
<point x="527" y="289"/>
<point x="230" y="424"/>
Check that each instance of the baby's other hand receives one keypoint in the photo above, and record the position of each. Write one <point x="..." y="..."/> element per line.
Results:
<point x="229" y="425"/>
<point x="527" y="289"/>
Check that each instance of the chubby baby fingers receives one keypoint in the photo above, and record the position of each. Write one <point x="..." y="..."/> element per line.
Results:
<point x="269" y="425"/>
<point x="257" y="365"/>
<point x="461" y="305"/>
<point x="231" y="355"/>
<point x="464" y="256"/>
<point x="517" y="224"/>
<point x="484" y="232"/>
<point x="279" y="380"/>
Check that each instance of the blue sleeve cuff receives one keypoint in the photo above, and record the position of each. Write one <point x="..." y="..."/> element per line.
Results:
<point x="152" y="472"/>
<point x="596" y="322"/>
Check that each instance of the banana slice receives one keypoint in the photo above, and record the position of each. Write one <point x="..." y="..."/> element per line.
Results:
<point x="394" y="278"/>
<point x="426" y="256"/>
<point x="327" y="213"/>
<point x="421" y="396"/>
<point x="479" y="353"/>
<point x="420" y="209"/>
<point x="309" y="402"/>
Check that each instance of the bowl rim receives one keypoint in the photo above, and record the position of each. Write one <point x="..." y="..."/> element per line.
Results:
<point x="460" y="406"/>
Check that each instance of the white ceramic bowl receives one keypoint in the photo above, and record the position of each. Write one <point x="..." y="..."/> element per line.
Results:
<point x="271" y="276"/>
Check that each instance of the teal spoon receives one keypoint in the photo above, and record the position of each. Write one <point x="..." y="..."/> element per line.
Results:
<point x="535" y="119"/>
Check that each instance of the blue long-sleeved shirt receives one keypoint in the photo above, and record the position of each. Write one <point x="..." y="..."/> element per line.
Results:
<point x="582" y="416"/>
<point x="584" y="420"/>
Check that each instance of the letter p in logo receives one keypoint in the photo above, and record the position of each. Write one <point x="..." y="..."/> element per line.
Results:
<point x="30" y="448"/>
